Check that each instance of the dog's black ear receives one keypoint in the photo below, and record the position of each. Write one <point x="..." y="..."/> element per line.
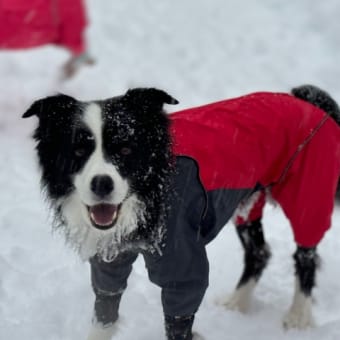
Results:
<point x="50" y="105"/>
<point x="149" y="97"/>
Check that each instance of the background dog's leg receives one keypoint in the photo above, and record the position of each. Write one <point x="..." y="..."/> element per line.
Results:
<point x="300" y="312"/>
<point x="256" y="256"/>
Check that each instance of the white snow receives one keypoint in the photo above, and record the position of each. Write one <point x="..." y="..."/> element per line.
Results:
<point x="199" y="51"/>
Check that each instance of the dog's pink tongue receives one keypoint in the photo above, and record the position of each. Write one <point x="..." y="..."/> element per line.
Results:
<point x="103" y="214"/>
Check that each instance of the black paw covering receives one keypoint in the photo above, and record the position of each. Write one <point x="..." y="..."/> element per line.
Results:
<point x="106" y="308"/>
<point x="179" y="327"/>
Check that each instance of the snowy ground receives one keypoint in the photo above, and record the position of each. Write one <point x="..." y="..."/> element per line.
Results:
<point x="198" y="51"/>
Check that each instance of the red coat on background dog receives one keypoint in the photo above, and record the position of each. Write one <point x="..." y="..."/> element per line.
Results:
<point x="25" y="24"/>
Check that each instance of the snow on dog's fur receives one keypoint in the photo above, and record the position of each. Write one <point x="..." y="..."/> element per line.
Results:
<point x="100" y="170"/>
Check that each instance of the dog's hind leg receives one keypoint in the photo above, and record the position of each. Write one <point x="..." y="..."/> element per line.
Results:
<point x="256" y="256"/>
<point x="306" y="194"/>
<point x="300" y="312"/>
<point x="256" y="253"/>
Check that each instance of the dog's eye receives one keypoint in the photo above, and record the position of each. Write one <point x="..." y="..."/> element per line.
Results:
<point x="79" y="152"/>
<point x="125" y="151"/>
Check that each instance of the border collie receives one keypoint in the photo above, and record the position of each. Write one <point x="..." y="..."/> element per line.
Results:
<point x="124" y="178"/>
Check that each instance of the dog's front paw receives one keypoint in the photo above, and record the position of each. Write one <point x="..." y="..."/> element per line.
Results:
<point x="99" y="333"/>
<point x="299" y="316"/>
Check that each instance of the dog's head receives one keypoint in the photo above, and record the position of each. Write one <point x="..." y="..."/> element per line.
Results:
<point x="105" y="164"/>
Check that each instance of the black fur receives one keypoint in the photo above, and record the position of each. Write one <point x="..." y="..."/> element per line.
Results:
<point x="319" y="98"/>
<point x="256" y="251"/>
<point x="59" y="136"/>
<point x="257" y="255"/>
<point x="306" y="263"/>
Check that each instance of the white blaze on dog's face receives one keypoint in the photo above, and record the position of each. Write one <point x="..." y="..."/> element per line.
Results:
<point x="99" y="184"/>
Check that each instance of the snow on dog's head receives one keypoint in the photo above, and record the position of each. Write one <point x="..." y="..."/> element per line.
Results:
<point x="105" y="167"/>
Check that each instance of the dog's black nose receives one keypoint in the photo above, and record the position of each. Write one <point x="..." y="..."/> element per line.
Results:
<point x="102" y="185"/>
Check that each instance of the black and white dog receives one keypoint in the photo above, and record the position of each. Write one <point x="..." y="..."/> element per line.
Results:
<point x="124" y="178"/>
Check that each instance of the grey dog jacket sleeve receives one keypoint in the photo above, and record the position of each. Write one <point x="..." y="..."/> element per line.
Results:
<point x="181" y="269"/>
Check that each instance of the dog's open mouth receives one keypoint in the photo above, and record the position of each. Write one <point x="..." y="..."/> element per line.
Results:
<point x="104" y="216"/>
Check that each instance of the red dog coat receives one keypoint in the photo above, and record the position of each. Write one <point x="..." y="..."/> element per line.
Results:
<point x="272" y="140"/>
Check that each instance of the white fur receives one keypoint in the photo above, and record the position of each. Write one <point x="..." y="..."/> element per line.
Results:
<point x="245" y="207"/>
<point x="77" y="224"/>
<point x="100" y="333"/>
<point x="300" y="313"/>
<point x="97" y="165"/>
<point x="241" y="298"/>
<point x="86" y="239"/>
